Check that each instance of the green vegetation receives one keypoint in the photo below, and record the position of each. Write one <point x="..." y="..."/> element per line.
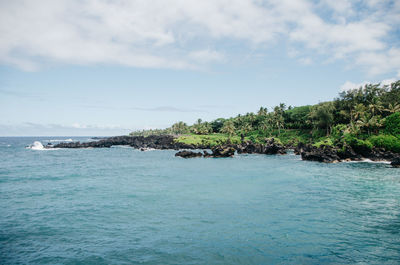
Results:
<point x="392" y="124"/>
<point x="388" y="142"/>
<point x="362" y="118"/>
<point x="209" y="140"/>
<point x="326" y="142"/>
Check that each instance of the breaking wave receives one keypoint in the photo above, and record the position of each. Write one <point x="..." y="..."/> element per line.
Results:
<point x="39" y="146"/>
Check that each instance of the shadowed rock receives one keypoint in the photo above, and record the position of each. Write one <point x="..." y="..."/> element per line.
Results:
<point x="271" y="147"/>
<point x="188" y="154"/>
<point x="396" y="163"/>
<point x="326" y="154"/>
<point x="153" y="141"/>
<point x="222" y="151"/>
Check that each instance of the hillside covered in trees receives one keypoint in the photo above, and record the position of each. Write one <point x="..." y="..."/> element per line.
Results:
<point x="363" y="117"/>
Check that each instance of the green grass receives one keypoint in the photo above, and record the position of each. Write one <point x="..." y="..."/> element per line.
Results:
<point x="293" y="136"/>
<point x="209" y="139"/>
<point x="287" y="136"/>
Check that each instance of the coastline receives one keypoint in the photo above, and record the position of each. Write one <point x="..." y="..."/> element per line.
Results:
<point x="324" y="154"/>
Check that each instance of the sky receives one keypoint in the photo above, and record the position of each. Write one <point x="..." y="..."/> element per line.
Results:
<point x="98" y="67"/>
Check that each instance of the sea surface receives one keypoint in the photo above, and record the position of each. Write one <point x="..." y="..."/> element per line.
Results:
<point x="124" y="206"/>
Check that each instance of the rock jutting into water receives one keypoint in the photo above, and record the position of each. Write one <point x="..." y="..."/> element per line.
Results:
<point x="396" y="163"/>
<point x="331" y="154"/>
<point x="221" y="151"/>
<point x="188" y="154"/>
<point x="271" y="147"/>
<point x="217" y="151"/>
<point x="152" y="141"/>
<point x="324" y="154"/>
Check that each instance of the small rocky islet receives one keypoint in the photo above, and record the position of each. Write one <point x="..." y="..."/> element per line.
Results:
<point x="323" y="153"/>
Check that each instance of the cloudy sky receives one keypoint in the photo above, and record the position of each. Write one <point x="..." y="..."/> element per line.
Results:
<point x="107" y="67"/>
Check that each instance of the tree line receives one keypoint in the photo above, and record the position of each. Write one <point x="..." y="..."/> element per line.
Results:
<point x="361" y="112"/>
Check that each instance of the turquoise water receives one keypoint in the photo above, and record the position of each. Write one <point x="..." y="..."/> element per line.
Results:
<point x="123" y="206"/>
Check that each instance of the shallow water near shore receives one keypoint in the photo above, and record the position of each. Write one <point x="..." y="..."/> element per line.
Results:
<point x="123" y="206"/>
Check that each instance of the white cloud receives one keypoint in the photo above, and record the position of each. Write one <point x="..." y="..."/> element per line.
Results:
<point x="185" y="33"/>
<point x="305" y="60"/>
<point x="380" y="62"/>
<point x="387" y="82"/>
<point x="206" y="56"/>
<point x="348" y="85"/>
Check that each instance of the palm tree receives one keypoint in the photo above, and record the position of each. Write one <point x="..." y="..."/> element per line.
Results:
<point x="179" y="128"/>
<point x="278" y="117"/>
<point x="228" y="128"/>
<point x="392" y="108"/>
<point x="375" y="107"/>
<point x="262" y="111"/>
<point x="247" y="128"/>
<point x="359" y="110"/>
<point x="264" y="125"/>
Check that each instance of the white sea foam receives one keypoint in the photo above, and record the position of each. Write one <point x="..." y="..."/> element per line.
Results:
<point x="369" y="161"/>
<point x="39" y="146"/>
<point x="147" y="149"/>
<point x="122" y="146"/>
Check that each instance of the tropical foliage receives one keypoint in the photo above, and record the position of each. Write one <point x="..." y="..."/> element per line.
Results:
<point x="362" y="117"/>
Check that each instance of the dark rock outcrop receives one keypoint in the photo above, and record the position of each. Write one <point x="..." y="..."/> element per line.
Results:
<point x="222" y="151"/>
<point x="153" y="141"/>
<point x="271" y="147"/>
<point x="396" y="162"/>
<point x="379" y="154"/>
<point x="347" y="153"/>
<point x="329" y="154"/>
<point x="217" y="151"/>
<point x="325" y="154"/>
<point x="188" y="154"/>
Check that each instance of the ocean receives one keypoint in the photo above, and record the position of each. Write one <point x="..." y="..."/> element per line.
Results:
<point x="123" y="206"/>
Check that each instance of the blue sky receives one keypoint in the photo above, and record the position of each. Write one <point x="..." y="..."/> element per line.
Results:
<point x="109" y="67"/>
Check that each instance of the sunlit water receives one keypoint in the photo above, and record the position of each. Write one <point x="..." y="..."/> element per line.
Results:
<point x="124" y="206"/>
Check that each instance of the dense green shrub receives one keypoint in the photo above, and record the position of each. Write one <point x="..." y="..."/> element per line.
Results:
<point x="392" y="124"/>
<point x="359" y="145"/>
<point x="338" y="130"/>
<point x="388" y="142"/>
<point x="326" y="141"/>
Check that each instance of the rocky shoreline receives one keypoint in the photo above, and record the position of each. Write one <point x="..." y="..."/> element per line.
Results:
<point x="325" y="154"/>
<point x="329" y="154"/>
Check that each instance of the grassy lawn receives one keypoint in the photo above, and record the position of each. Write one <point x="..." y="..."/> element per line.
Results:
<point x="209" y="139"/>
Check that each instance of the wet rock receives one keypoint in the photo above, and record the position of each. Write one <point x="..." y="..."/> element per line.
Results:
<point x="222" y="151"/>
<point x="347" y="153"/>
<point x="153" y="141"/>
<point x="271" y="147"/>
<point x="299" y="148"/>
<point x="249" y="147"/>
<point x="379" y="154"/>
<point x="188" y="154"/>
<point x="325" y="154"/>
<point x="396" y="162"/>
